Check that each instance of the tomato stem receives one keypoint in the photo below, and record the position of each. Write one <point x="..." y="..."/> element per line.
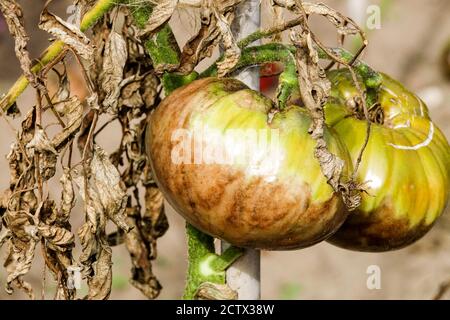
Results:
<point x="204" y="264"/>
<point x="173" y="80"/>
<point x="277" y="52"/>
<point x="288" y="81"/>
<point x="161" y="46"/>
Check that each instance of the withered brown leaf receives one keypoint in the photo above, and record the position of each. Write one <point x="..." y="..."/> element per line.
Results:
<point x="42" y="145"/>
<point x="68" y="33"/>
<point x="131" y="97"/>
<point x="140" y="252"/>
<point x="14" y="19"/>
<point x="67" y="194"/>
<point x="100" y="283"/>
<point x="200" y="45"/>
<point x="154" y="220"/>
<point x="18" y="263"/>
<point x="114" y="58"/>
<point x="232" y="51"/>
<point x="59" y="239"/>
<point x="107" y="182"/>
<point x="104" y="198"/>
<point x="73" y="110"/>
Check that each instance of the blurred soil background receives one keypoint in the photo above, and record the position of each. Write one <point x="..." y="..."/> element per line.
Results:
<point x="408" y="46"/>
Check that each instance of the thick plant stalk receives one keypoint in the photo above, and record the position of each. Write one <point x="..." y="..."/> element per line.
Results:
<point x="276" y="52"/>
<point x="244" y="275"/>
<point x="54" y="50"/>
<point x="204" y="265"/>
<point x="160" y="46"/>
<point x="288" y="82"/>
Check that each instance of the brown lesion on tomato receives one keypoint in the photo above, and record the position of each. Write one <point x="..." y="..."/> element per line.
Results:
<point x="377" y="231"/>
<point x="257" y="214"/>
<point x="248" y="211"/>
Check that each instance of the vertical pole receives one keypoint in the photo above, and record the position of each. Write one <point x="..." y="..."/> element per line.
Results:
<point x="247" y="21"/>
<point x="244" y="275"/>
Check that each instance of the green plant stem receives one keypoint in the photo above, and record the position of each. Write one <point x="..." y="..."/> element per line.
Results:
<point x="54" y="50"/>
<point x="162" y="49"/>
<point x="372" y="78"/>
<point x="161" y="46"/>
<point x="204" y="264"/>
<point x="256" y="55"/>
<point x="276" y="52"/>
<point x="288" y="83"/>
<point x="173" y="80"/>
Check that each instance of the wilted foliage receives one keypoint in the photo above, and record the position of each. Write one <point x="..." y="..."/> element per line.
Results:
<point x="123" y="87"/>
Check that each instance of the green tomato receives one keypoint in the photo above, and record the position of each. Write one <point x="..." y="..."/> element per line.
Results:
<point x="404" y="169"/>
<point x="240" y="172"/>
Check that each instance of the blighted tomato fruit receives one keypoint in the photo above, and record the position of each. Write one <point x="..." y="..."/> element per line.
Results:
<point x="240" y="173"/>
<point x="404" y="168"/>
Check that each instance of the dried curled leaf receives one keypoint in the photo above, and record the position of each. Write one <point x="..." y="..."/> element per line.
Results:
<point x="41" y="142"/>
<point x="106" y="179"/>
<point x="215" y="18"/>
<point x="100" y="283"/>
<point x="89" y="249"/>
<point x="232" y="51"/>
<point x="104" y="198"/>
<point x="18" y="263"/>
<point x="17" y="223"/>
<point x="67" y="194"/>
<point x="131" y="97"/>
<point x="107" y="196"/>
<point x="68" y="33"/>
<point x="96" y="260"/>
<point x="214" y="291"/>
<point x="73" y="110"/>
<point x="202" y="44"/>
<point x="154" y="221"/>
<point x="140" y="251"/>
<point x="150" y="91"/>
<point x="59" y="239"/>
<point x="14" y="19"/>
<point x="48" y="155"/>
<point x="114" y="59"/>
